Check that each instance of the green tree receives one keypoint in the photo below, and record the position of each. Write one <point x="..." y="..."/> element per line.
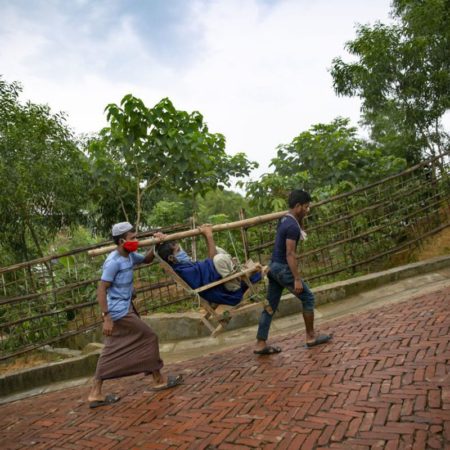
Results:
<point x="43" y="176"/>
<point x="166" y="213"/>
<point x="218" y="202"/>
<point x="327" y="159"/>
<point x="144" y="149"/>
<point x="402" y="77"/>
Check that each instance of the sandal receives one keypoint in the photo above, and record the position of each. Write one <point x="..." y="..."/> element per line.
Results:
<point x="172" y="381"/>
<point x="267" y="350"/>
<point x="109" y="400"/>
<point x="322" y="339"/>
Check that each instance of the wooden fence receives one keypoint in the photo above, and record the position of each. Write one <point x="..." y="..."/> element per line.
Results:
<point x="45" y="300"/>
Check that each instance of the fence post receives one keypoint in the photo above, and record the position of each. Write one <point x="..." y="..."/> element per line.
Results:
<point x="194" y="247"/>
<point x="193" y="239"/>
<point x="244" y="236"/>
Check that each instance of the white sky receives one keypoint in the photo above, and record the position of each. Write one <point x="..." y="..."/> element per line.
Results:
<point x="258" y="70"/>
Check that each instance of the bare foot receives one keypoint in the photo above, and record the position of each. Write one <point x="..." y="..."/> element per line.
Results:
<point x="95" y="394"/>
<point x="260" y="345"/>
<point x="170" y="382"/>
<point x="96" y="398"/>
<point x="162" y="381"/>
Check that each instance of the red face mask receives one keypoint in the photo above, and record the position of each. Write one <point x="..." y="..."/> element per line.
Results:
<point x="131" y="246"/>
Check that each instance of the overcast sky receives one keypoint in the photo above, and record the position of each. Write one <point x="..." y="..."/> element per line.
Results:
<point x="258" y="70"/>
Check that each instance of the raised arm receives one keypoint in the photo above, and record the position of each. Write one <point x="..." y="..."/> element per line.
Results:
<point x="207" y="232"/>
<point x="150" y="255"/>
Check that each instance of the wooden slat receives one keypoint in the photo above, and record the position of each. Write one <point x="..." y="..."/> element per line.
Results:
<point x="226" y="279"/>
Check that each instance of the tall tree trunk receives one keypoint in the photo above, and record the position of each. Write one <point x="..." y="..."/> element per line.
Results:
<point x="138" y="206"/>
<point x="123" y="210"/>
<point x="26" y="257"/>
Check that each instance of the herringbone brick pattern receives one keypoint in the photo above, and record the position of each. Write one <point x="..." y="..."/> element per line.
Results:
<point x="383" y="382"/>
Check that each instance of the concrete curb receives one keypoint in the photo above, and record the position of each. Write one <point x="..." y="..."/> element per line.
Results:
<point x="78" y="367"/>
<point x="175" y="327"/>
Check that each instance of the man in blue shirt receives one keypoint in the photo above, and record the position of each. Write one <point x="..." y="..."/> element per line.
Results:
<point x="131" y="347"/>
<point x="284" y="273"/>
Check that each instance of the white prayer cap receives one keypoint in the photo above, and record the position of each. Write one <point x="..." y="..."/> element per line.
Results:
<point x="121" y="228"/>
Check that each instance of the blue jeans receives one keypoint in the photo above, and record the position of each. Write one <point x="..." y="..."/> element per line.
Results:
<point x="280" y="277"/>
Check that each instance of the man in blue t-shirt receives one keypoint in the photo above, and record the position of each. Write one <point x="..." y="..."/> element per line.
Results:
<point x="284" y="273"/>
<point x="131" y="347"/>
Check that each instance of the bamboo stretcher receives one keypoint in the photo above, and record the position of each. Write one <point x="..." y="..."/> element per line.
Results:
<point x="217" y="322"/>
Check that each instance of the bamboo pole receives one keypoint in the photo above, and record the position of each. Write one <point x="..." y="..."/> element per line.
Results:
<point x="193" y="241"/>
<point x="77" y="251"/>
<point x="244" y="235"/>
<point x="228" y="278"/>
<point x="196" y="232"/>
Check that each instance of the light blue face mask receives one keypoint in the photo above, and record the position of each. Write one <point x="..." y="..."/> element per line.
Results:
<point x="182" y="257"/>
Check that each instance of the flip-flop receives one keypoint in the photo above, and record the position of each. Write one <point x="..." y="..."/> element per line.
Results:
<point x="322" y="339"/>
<point x="268" y="350"/>
<point x="172" y="381"/>
<point x="109" y="400"/>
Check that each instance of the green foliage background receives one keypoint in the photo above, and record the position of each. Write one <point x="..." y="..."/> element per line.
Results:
<point x="158" y="165"/>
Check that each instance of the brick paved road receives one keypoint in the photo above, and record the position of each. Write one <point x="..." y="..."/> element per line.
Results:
<point x="383" y="382"/>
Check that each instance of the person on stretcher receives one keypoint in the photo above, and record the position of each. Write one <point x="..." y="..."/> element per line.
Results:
<point x="219" y="264"/>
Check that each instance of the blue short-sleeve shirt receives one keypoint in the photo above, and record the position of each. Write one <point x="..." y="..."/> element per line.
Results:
<point x="118" y="270"/>
<point x="288" y="228"/>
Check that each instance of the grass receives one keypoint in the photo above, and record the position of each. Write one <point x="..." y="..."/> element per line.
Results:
<point x="436" y="245"/>
<point x="32" y="359"/>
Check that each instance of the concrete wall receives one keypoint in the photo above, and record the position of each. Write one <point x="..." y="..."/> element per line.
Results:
<point x="173" y="327"/>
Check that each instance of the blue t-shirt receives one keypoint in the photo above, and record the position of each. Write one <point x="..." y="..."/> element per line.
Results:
<point x="200" y="273"/>
<point x="118" y="270"/>
<point x="288" y="228"/>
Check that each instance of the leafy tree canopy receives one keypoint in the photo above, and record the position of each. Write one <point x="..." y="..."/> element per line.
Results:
<point x="221" y="202"/>
<point x="216" y="206"/>
<point x="166" y="213"/>
<point x="160" y="147"/>
<point x="327" y="159"/>
<point x="43" y="175"/>
<point x="402" y="77"/>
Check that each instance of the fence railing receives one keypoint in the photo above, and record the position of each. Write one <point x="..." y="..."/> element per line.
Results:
<point x="45" y="300"/>
<point x="51" y="298"/>
<point x="359" y="231"/>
